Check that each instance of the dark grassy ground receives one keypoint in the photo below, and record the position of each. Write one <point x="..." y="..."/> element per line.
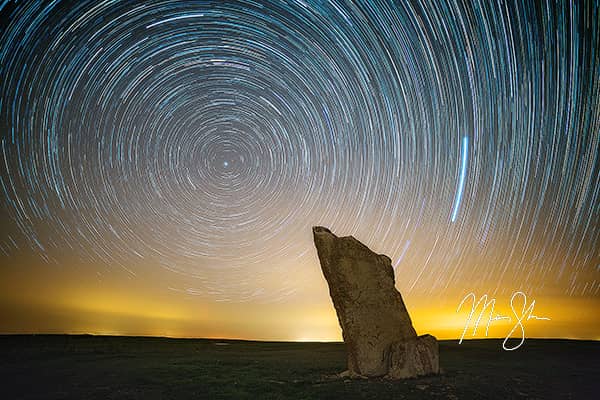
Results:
<point x="104" y="367"/>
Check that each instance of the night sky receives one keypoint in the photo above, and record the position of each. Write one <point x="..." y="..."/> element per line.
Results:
<point x="162" y="162"/>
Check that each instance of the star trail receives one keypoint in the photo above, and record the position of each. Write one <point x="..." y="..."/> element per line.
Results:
<point x="464" y="151"/>
<point x="191" y="146"/>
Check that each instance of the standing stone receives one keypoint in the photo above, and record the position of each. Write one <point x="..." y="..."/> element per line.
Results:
<point x="376" y="327"/>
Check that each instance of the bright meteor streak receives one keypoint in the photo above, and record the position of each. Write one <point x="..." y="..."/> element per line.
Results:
<point x="463" y="173"/>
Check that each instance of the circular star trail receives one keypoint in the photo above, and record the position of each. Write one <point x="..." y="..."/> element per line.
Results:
<point x="206" y="138"/>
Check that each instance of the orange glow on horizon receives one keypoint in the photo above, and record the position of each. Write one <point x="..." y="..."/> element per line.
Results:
<point x="103" y="313"/>
<point x="66" y="301"/>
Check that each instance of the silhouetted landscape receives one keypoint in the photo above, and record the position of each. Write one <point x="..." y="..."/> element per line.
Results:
<point x="113" y="367"/>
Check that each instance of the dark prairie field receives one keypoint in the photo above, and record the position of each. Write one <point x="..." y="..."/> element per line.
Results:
<point x="104" y="367"/>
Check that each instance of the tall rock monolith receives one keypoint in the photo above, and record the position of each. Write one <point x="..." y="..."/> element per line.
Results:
<point x="376" y="327"/>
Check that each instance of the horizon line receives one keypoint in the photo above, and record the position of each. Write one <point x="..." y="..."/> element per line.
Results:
<point x="3" y="334"/>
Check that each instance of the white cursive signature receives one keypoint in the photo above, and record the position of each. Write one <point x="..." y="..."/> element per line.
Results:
<point x="525" y="315"/>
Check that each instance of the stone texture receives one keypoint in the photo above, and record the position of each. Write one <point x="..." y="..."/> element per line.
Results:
<point x="377" y="330"/>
